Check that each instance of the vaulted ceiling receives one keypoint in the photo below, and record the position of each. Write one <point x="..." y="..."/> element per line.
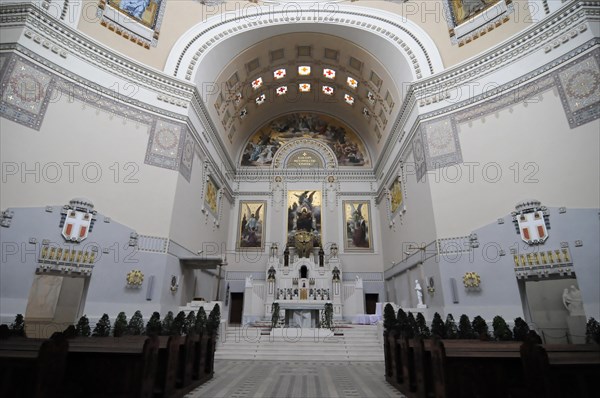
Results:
<point x="304" y="72"/>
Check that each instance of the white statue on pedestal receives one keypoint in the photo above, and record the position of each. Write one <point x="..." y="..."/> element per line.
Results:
<point x="572" y="301"/>
<point x="274" y="250"/>
<point x="419" y="291"/>
<point x="249" y="281"/>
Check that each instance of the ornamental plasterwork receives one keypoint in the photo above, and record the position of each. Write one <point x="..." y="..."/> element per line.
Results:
<point x="165" y="144"/>
<point x="579" y="88"/>
<point x="419" y="156"/>
<point x="340" y="17"/>
<point x="580" y="103"/>
<point x="187" y="156"/>
<point x="281" y="156"/>
<point x="26" y="91"/>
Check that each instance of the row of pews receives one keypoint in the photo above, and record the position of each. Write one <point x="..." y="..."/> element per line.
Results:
<point x="470" y="368"/>
<point x="128" y="366"/>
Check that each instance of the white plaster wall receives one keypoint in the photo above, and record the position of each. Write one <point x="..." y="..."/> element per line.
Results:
<point x="108" y="155"/>
<point x="190" y="226"/>
<point x="415" y="226"/>
<point x="538" y="156"/>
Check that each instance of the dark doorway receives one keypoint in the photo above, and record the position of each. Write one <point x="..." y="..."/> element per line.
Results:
<point x="371" y="303"/>
<point x="303" y="272"/>
<point x="236" y="308"/>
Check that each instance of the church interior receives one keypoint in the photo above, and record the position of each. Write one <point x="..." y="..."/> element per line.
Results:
<point x="300" y="164"/>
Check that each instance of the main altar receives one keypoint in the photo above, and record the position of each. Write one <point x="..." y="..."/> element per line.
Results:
<point x="302" y="282"/>
<point x="303" y="277"/>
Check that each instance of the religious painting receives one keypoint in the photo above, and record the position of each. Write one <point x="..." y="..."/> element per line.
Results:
<point x="396" y="198"/>
<point x="343" y="141"/>
<point x="136" y="20"/>
<point x="251" y="224"/>
<point x="304" y="215"/>
<point x="358" y="229"/>
<point x="144" y="11"/>
<point x="210" y="197"/>
<point x="462" y="10"/>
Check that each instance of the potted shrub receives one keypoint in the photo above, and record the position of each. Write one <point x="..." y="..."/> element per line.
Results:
<point x="190" y="322"/>
<point x="120" y="325"/>
<point x="501" y="330"/>
<point x="402" y="322"/>
<point x="274" y="315"/>
<point x="422" y="330"/>
<point x="592" y="331"/>
<point x="389" y="317"/>
<point x="201" y="321"/>
<point x="178" y="324"/>
<point x="411" y="326"/>
<point x="521" y="329"/>
<point x="437" y="327"/>
<point x="83" y="327"/>
<point x="136" y="324"/>
<point x="102" y="328"/>
<point x="214" y="320"/>
<point x="480" y="328"/>
<point x="17" y="328"/>
<point x="450" y="327"/>
<point x="154" y="327"/>
<point x="465" y="329"/>
<point x="167" y="324"/>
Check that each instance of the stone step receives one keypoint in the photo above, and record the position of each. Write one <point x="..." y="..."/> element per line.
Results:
<point x="354" y="343"/>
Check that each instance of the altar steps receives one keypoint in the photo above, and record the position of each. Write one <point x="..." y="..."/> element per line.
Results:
<point x="357" y="343"/>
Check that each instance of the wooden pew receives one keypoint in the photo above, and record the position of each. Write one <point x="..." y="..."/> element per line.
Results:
<point x="165" y="383"/>
<point x="32" y="367"/>
<point x="393" y="364"/>
<point x="562" y="370"/>
<point x="107" y="366"/>
<point x="200" y="355"/>
<point x="471" y="368"/>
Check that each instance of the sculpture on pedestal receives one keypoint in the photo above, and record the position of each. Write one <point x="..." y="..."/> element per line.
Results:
<point x="419" y="291"/>
<point x="572" y="301"/>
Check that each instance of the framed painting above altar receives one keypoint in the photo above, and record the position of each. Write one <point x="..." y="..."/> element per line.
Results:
<point x="358" y="234"/>
<point x="251" y="224"/>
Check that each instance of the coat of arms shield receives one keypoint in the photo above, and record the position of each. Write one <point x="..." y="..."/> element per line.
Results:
<point x="77" y="225"/>
<point x="532" y="227"/>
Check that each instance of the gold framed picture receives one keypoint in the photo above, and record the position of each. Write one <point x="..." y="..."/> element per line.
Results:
<point x="462" y="10"/>
<point x="251" y="224"/>
<point x="396" y="197"/>
<point x="210" y="197"/>
<point x="358" y="235"/>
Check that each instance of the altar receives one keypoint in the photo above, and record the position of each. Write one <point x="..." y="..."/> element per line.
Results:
<point x="301" y="287"/>
<point x="302" y="314"/>
<point x="302" y="318"/>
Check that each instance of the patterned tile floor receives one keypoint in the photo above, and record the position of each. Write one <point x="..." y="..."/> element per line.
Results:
<point x="287" y="379"/>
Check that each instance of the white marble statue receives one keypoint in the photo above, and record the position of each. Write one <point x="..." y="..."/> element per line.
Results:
<point x="419" y="291"/>
<point x="249" y="281"/>
<point x="274" y="250"/>
<point x="572" y="301"/>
